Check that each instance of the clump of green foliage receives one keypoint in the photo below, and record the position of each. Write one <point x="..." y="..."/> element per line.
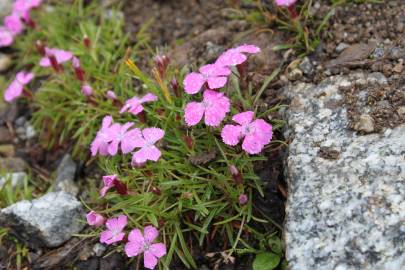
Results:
<point x="190" y="194"/>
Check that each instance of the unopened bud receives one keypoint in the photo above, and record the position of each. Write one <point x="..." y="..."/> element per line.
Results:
<point x="40" y="47"/>
<point x="189" y="141"/>
<point x="86" y="41"/>
<point x="175" y="87"/>
<point x="237" y="177"/>
<point x="243" y="199"/>
<point x="120" y="187"/>
<point x="161" y="63"/>
<point x="156" y="191"/>
<point x="54" y="63"/>
<point x="87" y="90"/>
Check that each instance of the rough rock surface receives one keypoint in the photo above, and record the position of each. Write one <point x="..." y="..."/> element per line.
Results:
<point x="65" y="176"/>
<point x="346" y="205"/>
<point x="48" y="221"/>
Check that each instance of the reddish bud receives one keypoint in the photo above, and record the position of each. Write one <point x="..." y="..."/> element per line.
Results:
<point x="142" y="117"/>
<point x="120" y="187"/>
<point x="54" y="63"/>
<point x="156" y="191"/>
<point x="293" y="11"/>
<point x="175" y="87"/>
<point x="86" y="42"/>
<point x="243" y="199"/>
<point x="189" y="141"/>
<point x="40" y="47"/>
<point x="161" y="63"/>
<point x="237" y="177"/>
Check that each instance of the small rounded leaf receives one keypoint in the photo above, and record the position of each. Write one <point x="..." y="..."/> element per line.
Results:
<point x="266" y="261"/>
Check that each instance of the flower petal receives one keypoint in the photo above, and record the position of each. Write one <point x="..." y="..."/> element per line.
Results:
<point x="159" y="249"/>
<point x="213" y="70"/>
<point x="133" y="249"/>
<point x="246" y="48"/>
<point x="231" y="58"/>
<point x="150" y="233"/>
<point x="263" y="131"/>
<point x="231" y="134"/>
<point x="148" y="98"/>
<point x="136" y="236"/>
<point x="193" y="113"/>
<point x="217" y="82"/>
<point x="149" y="260"/>
<point x="193" y="82"/>
<point x="218" y="105"/>
<point x="252" y="144"/>
<point x="132" y="139"/>
<point x="243" y="118"/>
<point x="153" y="135"/>
<point x="146" y="153"/>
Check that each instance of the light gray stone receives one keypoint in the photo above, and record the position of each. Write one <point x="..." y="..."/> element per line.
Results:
<point x="341" y="47"/>
<point x="48" y="221"/>
<point x="65" y="176"/>
<point x="345" y="213"/>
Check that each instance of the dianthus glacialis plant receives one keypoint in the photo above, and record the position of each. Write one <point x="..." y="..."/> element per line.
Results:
<point x="160" y="170"/>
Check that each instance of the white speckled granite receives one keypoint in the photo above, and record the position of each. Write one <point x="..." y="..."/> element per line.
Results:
<point x="347" y="213"/>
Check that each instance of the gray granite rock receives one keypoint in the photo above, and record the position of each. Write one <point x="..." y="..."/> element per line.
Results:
<point x="345" y="211"/>
<point x="48" y="221"/>
<point x="65" y="176"/>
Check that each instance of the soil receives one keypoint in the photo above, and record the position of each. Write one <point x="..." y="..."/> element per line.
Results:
<point x="194" y="32"/>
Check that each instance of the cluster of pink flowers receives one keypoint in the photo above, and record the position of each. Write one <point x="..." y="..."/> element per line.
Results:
<point x="137" y="243"/>
<point x="113" y="136"/>
<point x="215" y="105"/>
<point x="14" y="24"/>
<point x="51" y="57"/>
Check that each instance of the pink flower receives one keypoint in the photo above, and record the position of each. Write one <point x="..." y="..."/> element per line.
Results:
<point x="94" y="219"/>
<point x="146" y="141"/>
<point x="14" y="24"/>
<point x="285" y="3"/>
<point x="256" y="133"/>
<point x="111" y="95"/>
<point x="236" y="56"/>
<point x="214" y="75"/>
<point x="243" y="199"/>
<point x="6" y="37"/>
<point x="134" y="105"/>
<point x="23" y="6"/>
<point x="87" y="90"/>
<point x="215" y="106"/>
<point x="75" y="62"/>
<point x="126" y="138"/>
<point x="104" y="136"/>
<point x="114" y="232"/>
<point x="60" y="55"/>
<point x="111" y="181"/>
<point x="139" y="243"/>
<point x="15" y="89"/>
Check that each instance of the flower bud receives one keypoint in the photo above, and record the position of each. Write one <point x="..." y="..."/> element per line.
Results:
<point x="94" y="219"/>
<point x="237" y="177"/>
<point x="175" y="87"/>
<point x="161" y="63"/>
<point x="111" y="95"/>
<point x="243" y="199"/>
<point x="54" y="63"/>
<point x="87" y="90"/>
<point x="40" y="47"/>
<point x="78" y="69"/>
<point x="86" y="41"/>
<point x="120" y="187"/>
<point x="156" y="191"/>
